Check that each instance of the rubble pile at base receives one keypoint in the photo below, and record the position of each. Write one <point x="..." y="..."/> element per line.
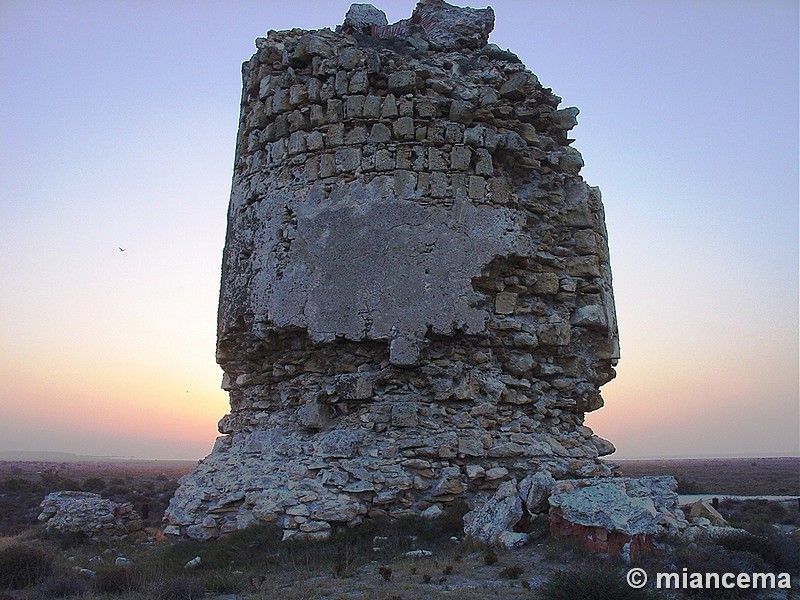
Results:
<point x="618" y="515"/>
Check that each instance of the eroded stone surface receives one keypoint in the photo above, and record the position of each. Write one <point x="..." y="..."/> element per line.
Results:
<point x="366" y="265"/>
<point x="416" y="300"/>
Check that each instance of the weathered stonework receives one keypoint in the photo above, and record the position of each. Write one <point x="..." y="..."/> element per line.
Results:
<point x="88" y="514"/>
<point x="416" y="300"/>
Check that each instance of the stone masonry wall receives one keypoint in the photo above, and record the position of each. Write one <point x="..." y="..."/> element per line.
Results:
<point x="416" y="299"/>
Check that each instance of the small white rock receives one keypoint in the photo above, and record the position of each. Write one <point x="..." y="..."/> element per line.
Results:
<point x="512" y="539"/>
<point x="418" y="553"/>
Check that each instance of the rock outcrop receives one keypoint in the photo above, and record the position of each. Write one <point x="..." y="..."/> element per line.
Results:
<point x="88" y="514"/>
<point x="416" y="301"/>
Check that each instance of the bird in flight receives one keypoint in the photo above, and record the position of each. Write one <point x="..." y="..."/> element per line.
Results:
<point x="121" y="249"/>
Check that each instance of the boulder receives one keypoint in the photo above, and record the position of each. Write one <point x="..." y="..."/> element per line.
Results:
<point x="449" y="27"/>
<point x="535" y="491"/>
<point x="697" y="532"/>
<point x="497" y="515"/>
<point x="512" y="539"/>
<point x="702" y="509"/>
<point x="360" y="17"/>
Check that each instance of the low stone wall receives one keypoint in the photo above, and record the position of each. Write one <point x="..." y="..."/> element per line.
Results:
<point x="88" y="514"/>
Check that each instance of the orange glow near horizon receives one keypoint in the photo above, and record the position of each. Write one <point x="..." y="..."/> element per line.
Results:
<point x="135" y="402"/>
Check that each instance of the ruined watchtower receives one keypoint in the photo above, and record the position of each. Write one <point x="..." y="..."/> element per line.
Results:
<point x="416" y="299"/>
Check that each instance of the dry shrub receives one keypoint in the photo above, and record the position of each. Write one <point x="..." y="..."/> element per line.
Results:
<point x="512" y="572"/>
<point x="22" y="566"/>
<point x="61" y="586"/>
<point x="710" y="558"/>
<point x="781" y="552"/>
<point x="594" y="582"/>
<point x="180" y="588"/>
<point x="115" y="579"/>
<point x="756" y="515"/>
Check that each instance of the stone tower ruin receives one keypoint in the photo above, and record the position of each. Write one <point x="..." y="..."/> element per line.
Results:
<point x="416" y="301"/>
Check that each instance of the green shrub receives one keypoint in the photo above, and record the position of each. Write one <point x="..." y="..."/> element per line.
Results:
<point x="756" y="515"/>
<point x="18" y="484"/>
<point x="22" y="566"/>
<point x="346" y="549"/>
<point x="601" y="582"/>
<point x="569" y="549"/>
<point x="223" y="582"/>
<point x="65" y="540"/>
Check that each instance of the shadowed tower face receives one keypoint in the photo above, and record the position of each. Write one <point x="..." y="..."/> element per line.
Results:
<point x="416" y="298"/>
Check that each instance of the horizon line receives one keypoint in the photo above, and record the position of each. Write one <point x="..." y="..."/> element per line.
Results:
<point x="20" y="454"/>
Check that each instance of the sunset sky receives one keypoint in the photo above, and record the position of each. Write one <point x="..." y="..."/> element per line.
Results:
<point x="117" y="129"/>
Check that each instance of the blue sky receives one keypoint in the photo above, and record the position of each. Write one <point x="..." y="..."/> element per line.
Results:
<point x="117" y="128"/>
